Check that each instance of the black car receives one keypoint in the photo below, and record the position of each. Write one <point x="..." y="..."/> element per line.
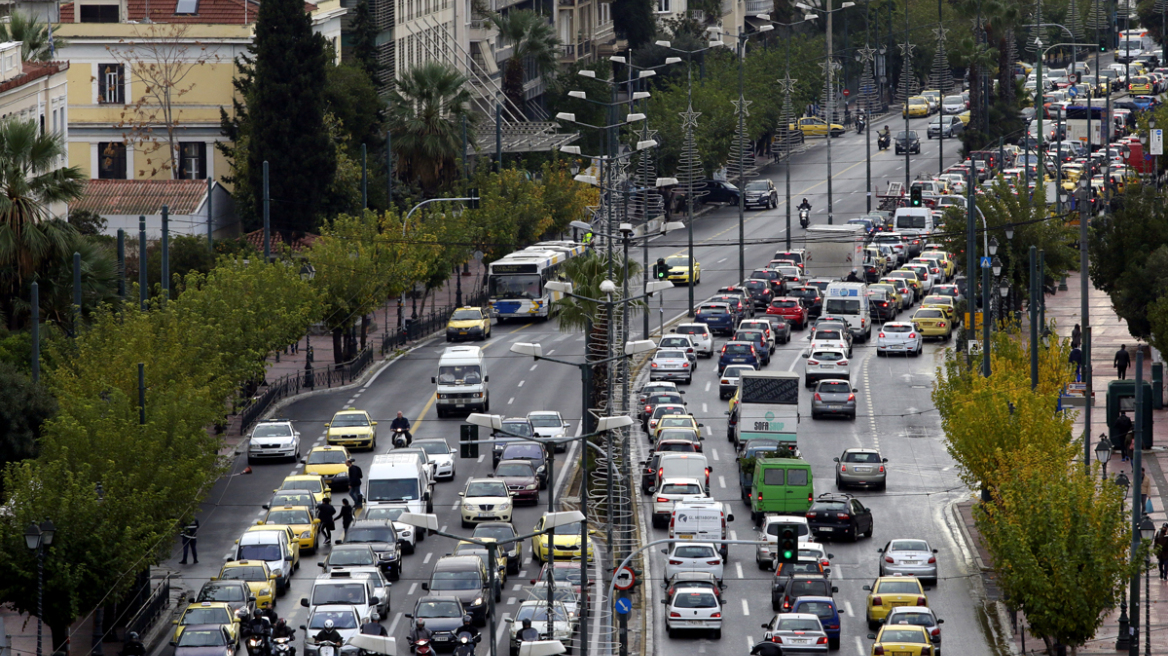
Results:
<point x="500" y="531"/>
<point x="775" y="278"/>
<point x="716" y="191"/>
<point x="839" y="516"/>
<point x="760" y="292"/>
<point x="801" y="585"/>
<point x="761" y="194"/>
<point x="381" y="536"/>
<point x="908" y="141"/>
<point x="740" y="304"/>
<point x="442" y="614"/>
<point x="881" y="307"/>
<point x="780" y="327"/>
<point x="785" y="571"/>
<point x="533" y="452"/>
<point x="515" y="429"/>
<point x="811" y="298"/>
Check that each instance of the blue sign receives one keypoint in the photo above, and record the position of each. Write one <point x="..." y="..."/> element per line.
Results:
<point x="844" y="292"/>
<point x="985" y="263"/>
<point x="623" y="605"/>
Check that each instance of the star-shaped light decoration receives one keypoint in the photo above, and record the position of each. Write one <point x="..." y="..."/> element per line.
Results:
<point x="689" y="118"/>
<point x="646" y="134"/>
<point x="906" y="49"/>
<point x="741" y="105"/>
<point x="940" y="33"/>
<point x="867" y="54"/>
<point x="978" y="22"/>
<point x="787" y="84"/>
<point x="835" y="66"/>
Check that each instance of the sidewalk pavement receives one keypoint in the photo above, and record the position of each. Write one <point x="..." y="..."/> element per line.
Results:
<point x="1109" y="332"/>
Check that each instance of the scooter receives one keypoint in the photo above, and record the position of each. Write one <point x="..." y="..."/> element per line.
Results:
<point x="327" y="648"/>
<point x="257" y="645"/>
<point x="283" y="647"/>
<point x="860" y="125"/>
<point x="399" y="438"/>
<point x="804" y="218"/>
<point x="465" y="646"/>
<point x="421" y="647"/>
<point x="883" y="141"/>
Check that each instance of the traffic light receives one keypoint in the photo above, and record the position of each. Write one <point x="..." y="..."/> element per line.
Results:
<point x="915" y="196"/>
<point x="661" y="269"/>
<point x="788" y="547"/>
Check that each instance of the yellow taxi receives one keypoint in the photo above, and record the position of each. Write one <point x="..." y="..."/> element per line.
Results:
<point x="352" y="428"/>
<point x="916" y="106"/>
<point x="303" y="521"/>
<point x="313" y="483"/>
<point x="259" y="578"/>
<point x="1140" y="85"/>
<point x="468" y="323"/>
<point x="890" y="592"/>
<point x="934" y="97"/>
<point x="680" y="270"/>
<point x="206" y="612"/>
<point x="813" y="126"/>
<point x="945" y="259"/>
<point x="943" y="303"/>
<point x="902" y="640"/>
<point x="932" y="322"/>
<point x="567" y="545"/>
<point x="328" y="462"/>
<point x="675" y="421"/>
<point x="965" y="117"/>
<point x="912" y="279"/>
<point x="891" y="290"/>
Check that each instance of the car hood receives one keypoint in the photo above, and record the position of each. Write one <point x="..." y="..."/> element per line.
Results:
<point x="200" y="651"/>
<point x="437" y="624"/>
<point x="518" y="480"/>
<point x="486" y="501"/>
<point x="469" y="323"/>
<point x="350" y="430"/>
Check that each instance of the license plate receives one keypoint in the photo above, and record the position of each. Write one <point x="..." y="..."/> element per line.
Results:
<point x="911" y="562"/>
<point x="863" y="470"/>
<point x="826" y="529"/>
<point x="799" y="641"/>
<point x="827" y="366"/>
<point x="902" y="653"/>
<point x="462" y="332"/>
<point x="485" y="515"/>
<point x="836" y="407"/>
<point x="692" y="623"/>
<point x="898" y="604"/>
<point x="460" y="405"/>
<point x="685" y="536"/>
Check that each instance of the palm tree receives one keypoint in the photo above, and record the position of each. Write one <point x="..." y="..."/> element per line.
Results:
<point x="533" y="39"/>
<point x="586" y="273"/>
<point x="33" y="36"/>
<point x="31" y="181"/>
<point x="425" y="118"/>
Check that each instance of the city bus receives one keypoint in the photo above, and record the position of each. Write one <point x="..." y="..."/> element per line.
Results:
<point x="515" y="282"/>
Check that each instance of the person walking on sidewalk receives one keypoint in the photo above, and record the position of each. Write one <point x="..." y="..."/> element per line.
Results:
<point x="190" y="541"/>
<point x="1161" y="543"/>
<point x="326" y="512"/>
<point x="1120" y="428"/>
<point x="1076" y="359"/>
<point x="1122" y="360"/>
<point x="346" y="515"/>
<point x="1076" y="337"/>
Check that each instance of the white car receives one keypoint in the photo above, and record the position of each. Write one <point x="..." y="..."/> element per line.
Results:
<point x="693" y="609"/>
<point x="407" y="534"/>
<point x="830" y="334"/>
<point x="700" y="333"/>
<point x="672" y="490"/>
<point x="953" y="104"/>
<point x="899" y="337"/>
<point x="798" y="633"/>
<point x="549" y="423"/>
<point x="771" y="525"/>
<point x="485" y="500"/>
<point x="693" y="557"/>
<point x="791" y="274"/>
<point x="537" y="611"/>
<point x="728" y="382"/>
<point x="909" y="557"/>
<point x="817" y="551"/>
<point x="682" y="342"/>
<point x="273" y="439"/>
<point x="346" y="620"/>
<point x="441" y="455"/>
<point x="826" y="363"/>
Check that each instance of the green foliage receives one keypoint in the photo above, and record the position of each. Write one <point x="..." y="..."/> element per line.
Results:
<point x="33" y="35"/>
<point x="87" y="223"/>
<point x="364" y="30"/>
<point x="534" y="47"/>
<point x="236" y="128"/>
<point x="286" y="109"/>
<point x="99" y="282"/>
<point x="24" y="408"/>
<point x="557" y="99"/>
<point x="426" y="112"/>
<point x="188" y="254"/>
<point x="1129" y="259"/>
<point x="634" y="21"/>
<point x="351" y="98"/>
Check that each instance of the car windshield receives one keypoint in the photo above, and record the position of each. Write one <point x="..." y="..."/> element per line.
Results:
<point x="202" y="638"/>
<point x="749" y="336"/>
<point x="545" y="421"/>
<point x="677" y="261"/>
<point x="338" y="593"/>
<point x="757" y="185"/>
<point x="568" y="529"/>
<point x="694" y="599"/>
<point x="898" y="587"/>
<point x="712" y="309"/>
<point x="392" y="489"/>
<point x="677" y="342"/>
<point x="828" y="334"/>
<point x="520" y="428"/>
<point x="928" y="314"/>
<point x="295" y="516"/>
<point x="909" y="545"/>
<point x="676" y="422"/>
<point x="738" y="348"/>
<point x="384" y="512"/>
<point x="515" y="286"/>
<point x="820" y="608"/>
<point x="515" y="470"/>
<point x="428" y="609"/>
<point x="206" y="616"/>
<point x="662" y="410"/>
<point x="693" y="551"/>
<point x="835" y="388"/>
<point x="539" y="612"/>
<point x="469" y="374"/>
<point x="455" y="581"/>
<point x="329" y="457"/>
<point x="830" y="356"/>
<point x="757" y="285"/>
<point x="496" y="532"/>
<point x="272" y="430"/>
<point x="231" y="592"/>
<point x="670" y="355"/>
<point x="267" y="552"/>
<point x="798" y="624"/>
<point x="735" y="372"/>
<point x="782" y="303"/>
<point x="954" y="100"/>
<point x="902" y="635"/>
<point x="916" y="619"/>
<point x="522" y="452"/>
<point x="342" y="619"/>
<point x="676" y="434"/>
<point x="434" y="447"/>
<point x="664" y="446"/>
<point x="349" y="420"/>
<point x="244" y="573"/>
<point x="911" y="133"/>
<point x="352" y="557"/>
<point x="466" y="315"/>
<point x="681" y="488"/>
<point x="664" y="398"/>
<point x="861" y="456"/>
<point x="562" y="595"/>
<point x="486" y="488"/>
<point x="292" y="499"/>
<point x="897" y="328"/>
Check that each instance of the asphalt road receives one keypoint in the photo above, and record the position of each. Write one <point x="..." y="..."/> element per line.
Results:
<point x="895" y="406"/>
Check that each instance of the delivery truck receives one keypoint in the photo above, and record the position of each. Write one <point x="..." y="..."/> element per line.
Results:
<point x="834" y="251"/>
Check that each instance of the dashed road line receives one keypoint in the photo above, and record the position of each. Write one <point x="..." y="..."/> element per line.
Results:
<point x="413" y="587"/>
<point x="722" y="481"/>
<point x="429" y="555"/>
<point x="745" y="607"/>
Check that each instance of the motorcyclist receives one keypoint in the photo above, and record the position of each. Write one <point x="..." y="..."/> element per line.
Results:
<point x="885" y="132"/>
<point x="419" y="632"/>
<point x="852" y="277"/>
<point x="133" y="646"/>
<point x="527" y="633"/>
<point x="805" y="205"/>
<point x="373" y="626"/>
<point x="468" y="627"/>
<point x="282" y="630"/>
<point x="404" y="424"/>
<point x="258" y="626"/>
<point x="329" y="634"/>
<point x="767" y="648"/>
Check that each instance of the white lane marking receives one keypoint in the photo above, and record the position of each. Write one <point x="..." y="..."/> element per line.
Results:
<point x="517" y="587"/>
<point x="443" y="528"/>
<point x="228" y="555"/>
<point x="413" y="587"/>
<point x="511" y="400"/>
<point x="510" y="601"/>
<point x="521" y="383"/>
<point x="848" y="607"/>
<point x="745" y="607"/>
<point x="749" y="642"/>
<point x="533" y="367"/>
<point x="562" y="337"/>
<point x="733" y="535"/>
<point x="551" y="352"/>
<point x="722" y="481"/>
<point x="859" y="643"/>
<point x="393" y="624"/>
<point x="481" y="458"/>
<point x="714" y="452"/>
<point x="523" y="572"/>
<point x="705" y="408"/>
<point x="505" y="627"/>
<point x="708" y="385"/>
<point x="261" y="512"/>
<point x="453" y="507"/>
<point x="429" y="555"/>
<point x="738" y="570"/>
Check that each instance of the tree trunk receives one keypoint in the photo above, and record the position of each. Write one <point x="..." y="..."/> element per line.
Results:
<point x="513" y="84"/>
<point x="364" y="330"/>
<point x="338" y="347"/>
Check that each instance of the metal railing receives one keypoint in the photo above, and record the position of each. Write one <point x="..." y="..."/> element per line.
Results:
<point x="429" y="323"/>
<point x="151" y="608"/>
<point x="322" y="376"/>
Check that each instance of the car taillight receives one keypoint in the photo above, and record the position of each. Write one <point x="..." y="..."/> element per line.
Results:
<point x="776" y="639"/>
<point x="926" y="651"/>
<point x="674" y="614"/>
<point x="877" y="601"/>
<point x="760" y="495"/>
<point x="724" y="348"/>
<point x="932" y="560"/>
<point x="881" y="335"/>
<point x="843" y="468"/>
<point x="662" y="500"/>
<point x="843" y="516"/>
<point x="660" y="472"/>
<point x="653" y="366"/>
<point x="674" y="562"/>
<point x="713" y="562"/>
<point x="649" y="408"/>
<point x="881" y="469"/>
<point x="822" y="640"/>
<point x="715" y="615"/>
<point x="935" y="632"/>
<point x="817" y="397"/>
<point x="685" y="365"/>
<point x="811" y="515"/>
<point x="808" y="497"/>
<point x="921" y="601"/>
<point x="825" y="562"/>
<point x="725" y="381"/>
<point x="888" y="559"/>
<point x="813" y="362"/>
<point x="841" y="362"/>
<point x="851" y="397"/>
<point x="912" y="335"/>
<point x="877" y="650"/>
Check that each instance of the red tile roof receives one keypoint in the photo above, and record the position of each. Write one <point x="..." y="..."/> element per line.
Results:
<point x="209" y="12"/>
<point x="142" y="196"/>
<point x="256" y="239"/>
<point x="32" y="71"/>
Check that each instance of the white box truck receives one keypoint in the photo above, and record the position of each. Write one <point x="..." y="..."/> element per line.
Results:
<point x="834" y="251"/>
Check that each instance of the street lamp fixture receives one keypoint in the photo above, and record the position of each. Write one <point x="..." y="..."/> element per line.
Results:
<point x="37" y="538"/>
<point x="1103" y="450"/>
<point x="996" y="265"/>
<point x="307" y="271"/>
<point x="1147" y="528"/>
<point x="993" y="246"/>
<point x="1009" y="233"/>
<point x="1123" y="481"/>
<point x="1004" y="289"/>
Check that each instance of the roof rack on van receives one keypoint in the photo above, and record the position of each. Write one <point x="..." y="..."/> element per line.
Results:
<point x="340" y="575"/>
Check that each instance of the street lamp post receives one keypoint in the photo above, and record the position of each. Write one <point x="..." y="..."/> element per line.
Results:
<point x="1147" y="532"/>
<point x="38" y="538"/>
<point x="1103" y="451"/>
<point x="741" y="107"/>
<point x="786" y="86"/>
<point x="1123" y="640"/>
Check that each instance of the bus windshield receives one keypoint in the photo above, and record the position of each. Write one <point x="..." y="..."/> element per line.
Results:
<point x="527" y="286"/>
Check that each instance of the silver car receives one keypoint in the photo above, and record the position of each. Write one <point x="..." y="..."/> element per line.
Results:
<point x="860" y="468"/>
<point x="728" y="381"/>
<point x="684" y="343"/>
<point x="833" y="397"/>
<point x="799" y="633"/>
<point x="671" y="364"/>
<point x="909" y="557"/>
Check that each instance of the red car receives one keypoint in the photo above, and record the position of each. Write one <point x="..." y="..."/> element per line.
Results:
<point x="522" y="482"/>
<point x="791" y="310"/>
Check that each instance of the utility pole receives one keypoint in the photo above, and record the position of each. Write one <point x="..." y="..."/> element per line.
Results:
<point x="1034" y="318"/>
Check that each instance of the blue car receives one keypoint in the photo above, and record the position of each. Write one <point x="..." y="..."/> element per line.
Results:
<point x="738" y="353"/>
<point x="717" y="316"/>
<point x="829" y="617"/>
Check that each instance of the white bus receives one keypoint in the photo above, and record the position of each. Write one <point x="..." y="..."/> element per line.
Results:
<point x="515" y="282"/>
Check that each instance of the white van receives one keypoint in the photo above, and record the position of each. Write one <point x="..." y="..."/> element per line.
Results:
<point x="462" y="381"/>
<point x="683" y="465"/>
<point x="701" y="521"/>
<point x="344" y="588"/>
<point x="849" y="301"/>
<point x="401" y="480"/>
<point x="916" y="223"/>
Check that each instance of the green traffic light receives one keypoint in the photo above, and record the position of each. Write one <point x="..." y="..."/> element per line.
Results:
<point x="787" y="555"/>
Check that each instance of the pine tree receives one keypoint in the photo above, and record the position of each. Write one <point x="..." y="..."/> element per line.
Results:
<point x="635" y="21"/>
<point x="690" y="173"/>
<point x="1097" y="18"/>
<point x="741" y="164"/>
<point x="365" y="41"/>
<point x="286" y="109"/>
<point x="1074" y="21"/>
<point x="941" y="78"/>
<point x="1035" y="30"/>
<point x="787" y="138"/>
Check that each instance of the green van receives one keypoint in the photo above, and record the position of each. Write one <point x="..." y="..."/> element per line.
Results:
<point x="781" y="485"/>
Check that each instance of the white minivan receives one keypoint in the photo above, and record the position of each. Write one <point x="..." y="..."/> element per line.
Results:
<point x="849" y="301"/>
<point x="915" y="223"/>
<point x="701" y="521"/>
<point x="462" y="381"/>
<point x="400" y="480"/>
<point x="683" y="465"/>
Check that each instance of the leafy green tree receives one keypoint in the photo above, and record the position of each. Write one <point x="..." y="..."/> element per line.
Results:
<point x="564" y="199"/>
<point x="99" y="281"/>
<point x="87" y="223"/>
<point x="24" y="408"/>
<point x="426" y="111"/>
<point x="351" y="98"/>
<point x="30" y="181"/>
<point x="364" y="30"/>
<point x="286" y="111"/>
<point x="188" y="254"/>
<point x="635" y="21"/>
<point x="236" y="128"/>
<point x="534" y="47"/>
<point x="1122" y="263"/>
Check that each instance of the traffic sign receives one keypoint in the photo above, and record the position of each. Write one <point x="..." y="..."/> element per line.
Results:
<point x="985" y="262"/>
<point x="1156" y="141"/>
<point x="624" y="579"/>
<point x="623" y="605"/>
<point x="974" y="347"/>
<point x="847" y="93"/>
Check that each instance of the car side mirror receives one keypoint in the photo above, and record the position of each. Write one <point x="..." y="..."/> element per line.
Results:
<point x="665" y="602"/>
<point x="884" y="460"/>
<point x="935" y="551"/>
<point x="868" y="588"/>
<point x="834" y="589"/>
<point x="426" y="586"/>
<point x="940" y="621"/>
<point x="173" y="643"/>
<point x="871" y="636"/>
<point x="880" y="550"/>
<point x="806" y="355"/>
<point x="373" y="601"/>
<point x="304" y="601"/>
<point x="486" y="379"/>
<point x="327" y="425"/>
<point x="265" y="506"/>
<point x="855" y="389"/>
<point x="665" y="551"/>
<point x="835" y="459"/>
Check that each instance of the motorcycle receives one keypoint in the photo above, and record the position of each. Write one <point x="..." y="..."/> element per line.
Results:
<point x="465" y="646"/>
<point x="804" y="218"/>
<point x="860" y="125"/>
<point x="422" y="647"/>
<point x="327" y="648"/>
<point x="883" y="142"/>
<point x="283" y="647"/>
<point x="257" y="645"/>
<point x="400" y="441"/>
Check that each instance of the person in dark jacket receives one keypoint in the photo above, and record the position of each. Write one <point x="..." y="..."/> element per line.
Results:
<point x="346" y="515"/>
<point x="373" y="626"/>
<point x="327" y="512"/>
<point x="1122" y="360"/>
<point x="355" y="478"/>
<point x="1119" y="431"/>
<point x="1076" y="358"/>
<point x="767" y="648"/>
<point x="1161" y="543"/>
<point x="133" y="646"/>
<point x="190" y="541"/>
<point x="1076" y="337"/>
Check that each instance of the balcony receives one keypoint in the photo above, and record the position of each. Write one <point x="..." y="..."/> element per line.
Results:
<point x="755" y="7"/>
<point x="572" y="52"/>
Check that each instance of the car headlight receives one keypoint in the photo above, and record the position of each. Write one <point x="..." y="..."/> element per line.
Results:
<point x="504" y="506"/>
<point x="405" y="534"/>
<point x="477" y="602"/>
<point x="278" y="572"/>
<point x="305" y="535"/>
<point x="265" y="592"/>
<point x="533" y="486"/>
<point x="442" y="396"/>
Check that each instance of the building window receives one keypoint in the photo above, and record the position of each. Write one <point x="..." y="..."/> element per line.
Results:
<point x="192" y="160"/>
<point x="663" y="7"/>
<point x="110" y="84"/>
<point x="605" y="13"/>
<point x="187" y="8"/>
<point x="111" y="161"/>
<point x="99" y="13"/>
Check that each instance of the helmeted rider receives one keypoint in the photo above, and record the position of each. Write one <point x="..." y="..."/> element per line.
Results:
<point x="404" y="424"/>
<point x="373" y="626"/>
<point x="467" y="627"/>
<point x="283" y="630"/>
<point x="805" y="205"/>
<point x="852" y="277"/>
<point x="885" y="133"/>
<point x="419" y="632"/>
<point x="528" y="633"/>
<point x="257" y="626"/>
<point x="133" y="646"/>
<point x="329" y="634"/>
